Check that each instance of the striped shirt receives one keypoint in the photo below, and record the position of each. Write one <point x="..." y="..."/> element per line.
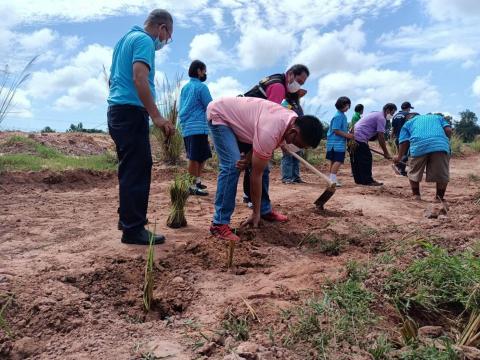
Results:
<point x="336" y="142"/>
<point x="194" y="99"/>
<point x="426" y="135"/>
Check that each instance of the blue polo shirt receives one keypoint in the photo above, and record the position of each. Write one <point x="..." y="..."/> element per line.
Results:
<point x="136" y="45"/>
<point x="334" y="141"/>
<point x="426" y="135"/>
<point x="194" y="99"/>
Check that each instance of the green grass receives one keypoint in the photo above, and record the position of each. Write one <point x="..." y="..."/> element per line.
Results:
<point x="456" y="145"/>
<point x="3" y="322"/>
<point x="424" y="352"/>
<point x="475" y="145"/>
<point x="237" y="326"/>
<point x="437" y="283"/>
<point x="342" y="314"/>
<point x="41" y="157"/>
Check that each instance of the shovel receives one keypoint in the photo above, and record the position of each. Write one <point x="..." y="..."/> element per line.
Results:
<point x="393" y="165"/>
<point x="330" y="190"/>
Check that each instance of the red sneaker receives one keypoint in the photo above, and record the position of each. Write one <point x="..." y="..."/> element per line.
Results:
<point x="275" y="216"/>
<point x="223" y="232"/>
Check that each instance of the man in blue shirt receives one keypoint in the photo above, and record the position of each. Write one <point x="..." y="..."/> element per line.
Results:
<point x="397" y="122"/>
<point x="428" y="139"/>
<point x="131" y="103"/>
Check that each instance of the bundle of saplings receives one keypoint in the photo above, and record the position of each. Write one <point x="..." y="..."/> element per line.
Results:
<point x="179" y="192"/>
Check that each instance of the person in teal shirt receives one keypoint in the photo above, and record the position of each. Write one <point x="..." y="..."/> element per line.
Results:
<point x="194" y="99"/>
<point x="427" y="139"/>
<point x="337" y="136"/>
<point x="131" y="103"/>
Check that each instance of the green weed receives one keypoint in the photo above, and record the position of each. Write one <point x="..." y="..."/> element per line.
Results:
<point x="456" y="145"/>
<point x="437" y="282"/>
<point x="237" y="326"/>
<point x="381" y="349"/>
<point x="430" y="352"/>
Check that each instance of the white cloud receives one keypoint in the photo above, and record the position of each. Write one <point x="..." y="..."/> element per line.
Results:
<point x="37" y="40"/>
<point x="21" y="107"/>
<point x="336" y="50"/>
<point x="453" y="10"/>
<point x="207" y="48"/>
<point x="446" y="42"/>
<point x="225" y="86"/>
<point x="476" y="86"/>
<point x="216" y="15"/>
<point x="260" y="48"/>
<point x="374" y="88"/>
<point x="80" y="83"/>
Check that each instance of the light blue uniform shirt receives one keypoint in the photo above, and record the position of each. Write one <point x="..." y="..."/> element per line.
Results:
<point x="194" y="99"/>
<point x="334" y="141"/>
<point x="426" y="135"/>
<point x="135" y="46"/>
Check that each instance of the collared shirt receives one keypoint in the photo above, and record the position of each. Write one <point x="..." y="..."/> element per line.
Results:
<point x="255" y="121"/>
<point x="334" y="141"/>
<point x="368" y="126"/>
<point x="135" y="46"/>
<point x="194" y="99"/>
<point x="426" y="134"/>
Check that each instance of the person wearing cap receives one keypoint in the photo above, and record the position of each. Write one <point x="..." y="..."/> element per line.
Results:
<point x="131" y="102"/>
<point x="427" y="139"/>
<point x="397" y="122"/>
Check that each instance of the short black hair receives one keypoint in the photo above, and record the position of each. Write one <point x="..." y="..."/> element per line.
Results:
<point x="311" y="129"/>
<point x="359" y="108"/>
<point x="194" y="66"/>
<point x="158" y="17"/>
<point x="390" y="107"/>
<point x="299" y="69"/>
<point x="342" y="101"/>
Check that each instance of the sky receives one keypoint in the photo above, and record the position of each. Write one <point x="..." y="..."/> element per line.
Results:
<point x="373" y="51"/>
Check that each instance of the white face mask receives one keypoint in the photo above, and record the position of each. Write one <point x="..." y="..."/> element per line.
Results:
<point x="389" y="117"/>
<point x="293" y="87"/>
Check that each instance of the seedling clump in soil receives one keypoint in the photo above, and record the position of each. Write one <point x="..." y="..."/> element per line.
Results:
<point x="179" y="192"/>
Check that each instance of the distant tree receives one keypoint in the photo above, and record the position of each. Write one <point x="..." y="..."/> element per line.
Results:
<point x="79" y="128"/>
<point x="467" y="127"/>
<point x="47" y="129"/>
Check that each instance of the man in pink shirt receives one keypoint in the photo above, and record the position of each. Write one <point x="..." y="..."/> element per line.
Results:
<point x="265" y="125"/>
<point x="276" y="88"/>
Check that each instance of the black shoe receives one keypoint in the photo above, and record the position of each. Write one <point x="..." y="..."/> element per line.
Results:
<point x="198" y="191"/>
<point x="299" y="181"/>
<point x="375" y="183"/>
<point x="201" y="186"/>
<point x="141" y="237"/>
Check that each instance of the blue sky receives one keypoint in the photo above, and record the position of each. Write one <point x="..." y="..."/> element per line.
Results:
<point x="373" y="51"/>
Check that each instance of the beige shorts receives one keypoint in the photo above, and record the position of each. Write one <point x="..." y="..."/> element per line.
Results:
<point x="437" y="164"/>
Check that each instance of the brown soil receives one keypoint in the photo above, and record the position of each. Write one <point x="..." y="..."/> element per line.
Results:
<point x="77" y="291"/>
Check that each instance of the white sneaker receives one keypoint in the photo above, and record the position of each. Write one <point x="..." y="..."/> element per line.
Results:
<point x="338" y="184"/>
<point x="250" y="205"/>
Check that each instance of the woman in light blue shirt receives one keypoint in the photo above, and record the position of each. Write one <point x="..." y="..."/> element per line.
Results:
<point x="194" y="99"/>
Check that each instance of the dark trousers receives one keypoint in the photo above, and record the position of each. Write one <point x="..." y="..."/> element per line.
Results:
<point x="245" y="148"/>
<point x="128" y="126"/>
<point x="361" y="161"/>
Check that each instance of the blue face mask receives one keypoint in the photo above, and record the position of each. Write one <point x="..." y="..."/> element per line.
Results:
<point x="159" y="44"/>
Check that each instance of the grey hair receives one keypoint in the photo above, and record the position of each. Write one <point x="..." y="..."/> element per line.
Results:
<point x="159" y="16"/>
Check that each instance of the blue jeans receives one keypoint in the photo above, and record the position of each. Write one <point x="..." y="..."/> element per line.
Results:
<point x="228" y="154"/>
<point x="290" y="168"/>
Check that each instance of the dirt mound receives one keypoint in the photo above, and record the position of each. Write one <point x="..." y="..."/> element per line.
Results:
<point x="78" y="144"/>
<point x="66" y="180"/>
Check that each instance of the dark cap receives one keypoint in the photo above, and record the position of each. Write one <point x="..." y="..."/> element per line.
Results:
<point x="407" y="105"/>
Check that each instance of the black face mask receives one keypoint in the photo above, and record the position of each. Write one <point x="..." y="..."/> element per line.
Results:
<point x="203" y="78"/>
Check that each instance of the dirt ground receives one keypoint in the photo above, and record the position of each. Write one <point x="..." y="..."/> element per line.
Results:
<point x="77" y="291"/>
